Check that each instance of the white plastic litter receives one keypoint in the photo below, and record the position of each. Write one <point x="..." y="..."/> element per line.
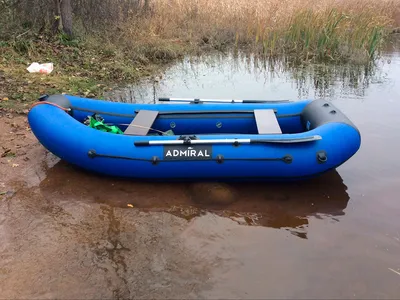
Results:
<point x="35" y="67"/>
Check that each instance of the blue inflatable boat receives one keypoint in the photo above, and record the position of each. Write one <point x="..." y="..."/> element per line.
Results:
<point x="197" y="139"/>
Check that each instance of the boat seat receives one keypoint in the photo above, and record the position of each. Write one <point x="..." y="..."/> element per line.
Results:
<point x="142" y="122"/>
<point x="267" y="122"/>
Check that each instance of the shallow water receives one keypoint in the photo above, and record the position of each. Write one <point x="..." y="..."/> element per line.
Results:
<point x="336" y="236"/>
<point x="347" y="222"/>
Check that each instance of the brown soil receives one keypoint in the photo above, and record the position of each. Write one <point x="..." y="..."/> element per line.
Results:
<point x="19" y="151"/>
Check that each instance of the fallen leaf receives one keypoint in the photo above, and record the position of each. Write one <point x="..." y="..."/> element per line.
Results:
<point x="2" y="193"/>
<point x="5" y="99"/>
<point x="6" y="150"/>
<point x="129" y="205"/>
<point x="8" y="153"/>
<point x="15" y="165"/>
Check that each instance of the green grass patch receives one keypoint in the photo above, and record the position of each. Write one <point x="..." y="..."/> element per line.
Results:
<point x="82" y="69"/>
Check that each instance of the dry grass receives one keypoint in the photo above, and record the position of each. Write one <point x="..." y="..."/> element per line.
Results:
<point x="335" y="30"/>
<point x="330" y="29"/>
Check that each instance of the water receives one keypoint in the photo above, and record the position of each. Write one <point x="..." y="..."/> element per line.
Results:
<point x="336" y="236"/>
<point x="347" y="225"/>
<point x="245" y="77"/>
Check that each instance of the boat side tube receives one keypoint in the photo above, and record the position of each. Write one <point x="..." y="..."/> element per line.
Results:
<point x="328" y="141"/>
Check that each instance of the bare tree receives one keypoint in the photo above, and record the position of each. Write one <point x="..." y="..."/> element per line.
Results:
<point x="51" y="16"/>
<point x="66" y="16"/>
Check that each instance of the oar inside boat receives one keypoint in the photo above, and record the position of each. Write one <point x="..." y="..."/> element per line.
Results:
<point x="188" y="141"/>
<point x="199" y="100"/>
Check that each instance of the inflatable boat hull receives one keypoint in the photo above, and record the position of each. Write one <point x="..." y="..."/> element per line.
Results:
<point x="210" y="141"/>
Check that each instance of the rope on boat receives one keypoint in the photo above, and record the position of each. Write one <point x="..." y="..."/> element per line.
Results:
<point x="134" y="125"/>
<point x="69" y="109"/>
<point x="51" y="103"/>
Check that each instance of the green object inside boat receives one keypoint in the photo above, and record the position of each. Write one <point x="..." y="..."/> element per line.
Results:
<point x="97" y="122"/>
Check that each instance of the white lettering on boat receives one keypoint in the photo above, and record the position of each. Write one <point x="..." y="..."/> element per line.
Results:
<point x="184" y="152"/>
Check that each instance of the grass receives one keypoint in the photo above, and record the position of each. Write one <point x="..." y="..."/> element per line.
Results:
<point x="84" y="68"/>
<point x="138" y="45"/>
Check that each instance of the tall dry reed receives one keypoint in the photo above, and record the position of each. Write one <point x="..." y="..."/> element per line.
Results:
<point x="334" y="30"/>
<point x="328" y="29"/>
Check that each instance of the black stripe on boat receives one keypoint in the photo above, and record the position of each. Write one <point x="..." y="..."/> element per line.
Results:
<point x="93" y="154"/>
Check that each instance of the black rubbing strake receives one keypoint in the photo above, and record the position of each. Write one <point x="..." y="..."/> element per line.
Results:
<point x="220" y="158"/>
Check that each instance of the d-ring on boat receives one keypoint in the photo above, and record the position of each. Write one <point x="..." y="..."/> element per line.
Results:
<point x="196" y="139"/>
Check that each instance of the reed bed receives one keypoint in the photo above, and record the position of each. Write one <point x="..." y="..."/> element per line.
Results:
<point x="145" y="31"/>
<point x="334" y="30"/>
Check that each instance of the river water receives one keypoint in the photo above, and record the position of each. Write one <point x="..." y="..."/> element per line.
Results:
<point x="336" y="236"/>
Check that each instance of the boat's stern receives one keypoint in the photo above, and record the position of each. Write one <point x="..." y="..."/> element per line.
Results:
<point x="341" y="137"/>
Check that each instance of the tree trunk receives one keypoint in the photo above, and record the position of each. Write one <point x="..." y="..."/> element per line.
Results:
<point x="56" y="17"/>
<point x="66" y="16"/>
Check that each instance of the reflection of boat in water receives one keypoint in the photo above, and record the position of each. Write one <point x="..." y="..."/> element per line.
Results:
<point x="284" y="205"/>
<point x="248" y="141"/>
<point x="279" y="205"/>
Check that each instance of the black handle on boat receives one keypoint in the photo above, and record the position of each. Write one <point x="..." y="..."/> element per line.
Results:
<point x="195" y="100"/>
<point x="229" y="141"/>
<point x="142" y="143"/>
